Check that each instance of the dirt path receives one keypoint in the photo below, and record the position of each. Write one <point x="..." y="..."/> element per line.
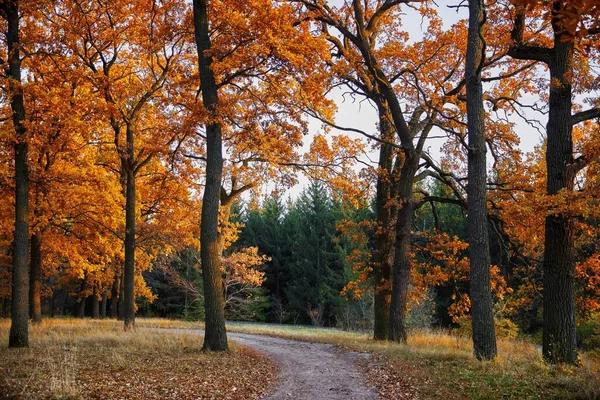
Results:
<point x="310" y="371"/>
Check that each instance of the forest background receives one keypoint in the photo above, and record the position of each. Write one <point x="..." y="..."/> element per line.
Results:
<point x="111" y="131"/>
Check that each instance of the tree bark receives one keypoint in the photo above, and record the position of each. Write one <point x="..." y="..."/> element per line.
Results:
<point x="81" y="308"/>
<point x="114" y="297"/>
<point x="215" y="337"/>
<point x="95" y="306"/>
<point x="120" y="302"/>
<point x="35" y="279"/>
<point x="53" y="305"/>
<point x="559" y="340"/>
<point x="5" y="306"/>
<point x="103" y="304"/>
<point x="19" y="331"/>
<point x="383" y="246"/>
<point x="401" y="269"/>
<point x="484" y="336"/>
<point x="129" y="265"/>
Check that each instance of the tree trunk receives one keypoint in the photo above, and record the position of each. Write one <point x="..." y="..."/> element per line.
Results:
<point x="5" y="305"/>
<point x="103" y="304"/>
<point x="52" y="305"/>
<point x="215" y="337"/>
<point x="35" y="279"/>
<point x="383" y="252"/>
<point x="559" y="340"/>
<point x="19" y="330"/>
<point x="401" y="269"/>
<point x="95" y="306"/>
<point x="114" y="297"/>
<point x="120" y="302"/>
<point x="82" y="298"/>
<point x="81" y="308"/>
<point x="484" y="336"/>
<point x="129" y="267"/>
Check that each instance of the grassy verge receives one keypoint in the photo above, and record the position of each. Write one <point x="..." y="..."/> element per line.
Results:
<point x="72" y="359"/>
<point x="440" y="366"/>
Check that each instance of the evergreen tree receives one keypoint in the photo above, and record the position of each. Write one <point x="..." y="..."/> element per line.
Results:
<point x="316" y="268"/>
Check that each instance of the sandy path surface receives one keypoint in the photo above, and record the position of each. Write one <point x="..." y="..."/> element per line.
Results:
<point x="310" y="371"/>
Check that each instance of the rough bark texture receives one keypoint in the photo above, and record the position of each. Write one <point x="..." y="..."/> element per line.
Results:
<point x="35" y="279"/>
<point x="214" y="303"/>
<point x="383" y="246"/>
<point x="129" y="265"/>
<point x="484" y="336"/>
<point x="559" y="341"/>
<point x="401" y="270"/>
<point x="19" y="334"/>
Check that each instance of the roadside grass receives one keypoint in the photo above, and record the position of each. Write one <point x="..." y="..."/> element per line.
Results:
<point x="436" y="365"/>
<point x="83" y="359"/>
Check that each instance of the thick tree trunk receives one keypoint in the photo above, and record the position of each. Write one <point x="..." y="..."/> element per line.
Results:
<point x="401" y="269"/>
<point x="129" y="267"/>
<point x="484" y="336"/>
<point x="19" y="331"/>
<point x="215" y="337"/>
<point x="383" y="246"/>
<point x="95" y="306"/>
<point x="35" y="279"/>
<point x="559" y="340"/>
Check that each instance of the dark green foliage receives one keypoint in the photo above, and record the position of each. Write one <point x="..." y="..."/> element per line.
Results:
<point x="173" y="299"/>
<point x="316" y="266"/>
<point x="265" y="229"/>
<point x="308" y="266"/>
<point x="588" y="335"/>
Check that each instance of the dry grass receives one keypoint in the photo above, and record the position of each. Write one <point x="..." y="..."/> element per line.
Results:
<point x="434" y="365"/>
<point x="70" y="359"/>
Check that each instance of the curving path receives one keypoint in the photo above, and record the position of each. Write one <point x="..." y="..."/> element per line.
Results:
<point x="310" y="371"/>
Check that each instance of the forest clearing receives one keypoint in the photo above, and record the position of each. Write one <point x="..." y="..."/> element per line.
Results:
<point x="73" y="358"/>
<point x="309" y="199"/>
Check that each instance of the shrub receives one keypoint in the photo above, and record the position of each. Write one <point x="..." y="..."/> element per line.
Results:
<point x="505" y="328"/>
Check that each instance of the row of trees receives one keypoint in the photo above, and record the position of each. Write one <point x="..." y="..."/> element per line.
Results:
<point x="305" y="266"/>
<point x="125" y="109"/>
